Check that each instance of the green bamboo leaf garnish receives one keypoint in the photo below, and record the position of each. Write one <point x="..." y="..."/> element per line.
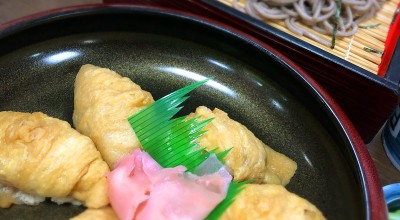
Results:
<point x="172" y="142"/>
<point x="233" y="190"/>
<point x="369" y="26"/>
<point x="336" y="24"/>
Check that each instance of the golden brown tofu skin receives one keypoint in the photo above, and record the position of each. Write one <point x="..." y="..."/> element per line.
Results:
<point x="7" y="197"/>
<point x="270" y="202"/>
<point x="250" y="158"/>
<point x="44" y="156"/>
<point x="105" y="213"/>
<point x="102" y="104"/>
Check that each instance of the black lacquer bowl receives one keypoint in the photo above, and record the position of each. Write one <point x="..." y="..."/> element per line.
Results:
<point x="165" y="50"/>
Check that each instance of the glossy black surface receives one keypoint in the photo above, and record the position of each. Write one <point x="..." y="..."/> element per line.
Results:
<point x="163" y="52"/>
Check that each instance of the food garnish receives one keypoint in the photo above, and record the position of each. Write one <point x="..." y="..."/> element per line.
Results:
<point x="336" y="23"/>
<point x="371" y="50"/>
<point x="372" y="26"/>
<point x="172" y="144"/>
<point x="141" y="189"/>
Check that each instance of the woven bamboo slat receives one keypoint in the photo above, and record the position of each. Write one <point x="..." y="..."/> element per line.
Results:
<point x="354" y="48"/>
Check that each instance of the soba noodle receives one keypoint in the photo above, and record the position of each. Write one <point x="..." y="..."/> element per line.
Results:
<point x="320" y="15"/>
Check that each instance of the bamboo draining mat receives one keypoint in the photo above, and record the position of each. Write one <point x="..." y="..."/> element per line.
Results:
<point x="352" y="48"/>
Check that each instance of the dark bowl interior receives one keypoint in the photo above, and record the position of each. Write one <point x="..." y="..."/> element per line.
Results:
<point x="163" y="51"/>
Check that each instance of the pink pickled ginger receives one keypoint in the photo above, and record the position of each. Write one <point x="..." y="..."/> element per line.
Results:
<point x="139" y="188"/>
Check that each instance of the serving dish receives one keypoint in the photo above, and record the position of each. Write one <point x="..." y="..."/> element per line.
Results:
<point x="163" y="50"/>
<point x="358" y="90"/>
<point x="366" y="98"/>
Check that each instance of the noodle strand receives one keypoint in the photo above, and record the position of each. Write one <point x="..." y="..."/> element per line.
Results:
<point x="319" y="15"/>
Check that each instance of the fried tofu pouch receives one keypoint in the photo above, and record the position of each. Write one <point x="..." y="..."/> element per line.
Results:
<point x="44" y="156"/>
<point x="270" y="202"/>
<point x="250" y="158"/>
<point x="102" y="104"/>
